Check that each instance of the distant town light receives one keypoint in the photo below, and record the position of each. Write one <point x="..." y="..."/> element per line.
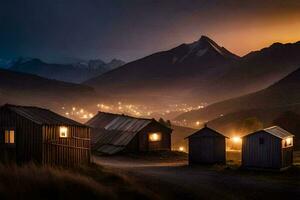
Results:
<point x="181" y="148"/>
<point x="197" y="123"/>
<point x="73" y="108"/>
<point x="84" y="116"/>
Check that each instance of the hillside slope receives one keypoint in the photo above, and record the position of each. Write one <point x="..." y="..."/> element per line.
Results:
<point x="168" y="75"/>
<point x="198" y="72"/>
<point x="20" y="88"/>
<point x="284" y="93"/>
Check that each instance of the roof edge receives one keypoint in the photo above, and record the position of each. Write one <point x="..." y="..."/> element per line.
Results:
<point x="206" y="127"/>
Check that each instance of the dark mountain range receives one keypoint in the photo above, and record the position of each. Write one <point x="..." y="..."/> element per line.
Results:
<point x="198" y="72"/>
<point x="258" y="70"/>
<point x="75" y="73"/>
<point x="21" y="88"/>
<point x="264" y="105"/>
<point x="168" y="75"/>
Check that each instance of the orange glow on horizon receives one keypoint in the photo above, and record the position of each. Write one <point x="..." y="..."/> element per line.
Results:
<point x="249" y="33"/>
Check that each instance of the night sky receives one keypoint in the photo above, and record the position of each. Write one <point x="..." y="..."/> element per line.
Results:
<point x="56" y="30"/>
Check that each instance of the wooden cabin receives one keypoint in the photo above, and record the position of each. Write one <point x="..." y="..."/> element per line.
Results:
<point x="113" y="133"/>
<point x="32" y="134"/>
<point x="270" y="148"/>
<point x="207" y="146"/>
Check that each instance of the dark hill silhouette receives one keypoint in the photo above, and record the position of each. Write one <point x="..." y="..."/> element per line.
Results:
<point x="20" y="88"/>
<point x="282" y="96"/>
<point x="172" y="73"/>
<point x="198" y="72"/>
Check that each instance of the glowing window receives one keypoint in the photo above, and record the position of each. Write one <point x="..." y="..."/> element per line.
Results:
<point x="63" y="132"/>
<point x="154" y="137"/>
<point x="9" y="137"/>
<point x="288" y="142"/>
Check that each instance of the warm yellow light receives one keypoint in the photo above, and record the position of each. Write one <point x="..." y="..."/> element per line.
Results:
<point x="9" y="136"/>
<point x="288" y="141"/>
<point x="67" y="113"/>
<point x="63" y="132"/>
<point x="81" y="110"/>
<point x="236" y="139"/>
<point x="12" y="136"/>
<point x="91" y="115"/>
<point x="154" y="137"/>
<point x="73" y="108"/>
<point x="181" y="148"/>
<point x="197" y="123"/>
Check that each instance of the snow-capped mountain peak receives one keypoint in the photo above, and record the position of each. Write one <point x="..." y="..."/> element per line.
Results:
<point x="206" y="48"/>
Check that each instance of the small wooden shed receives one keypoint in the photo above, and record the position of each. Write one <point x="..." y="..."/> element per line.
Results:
<point x="32" y="134"/>
<point x="207" y="146"/>
<point x="270" y="148"/>
<point x="113" y="133"/>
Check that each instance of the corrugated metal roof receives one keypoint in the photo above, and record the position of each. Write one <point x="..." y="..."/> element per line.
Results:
<point x="278" y="132"/>
<point x="41" y="116"/>
<point x="110" y="149"/>
<point x="112" y="132"/>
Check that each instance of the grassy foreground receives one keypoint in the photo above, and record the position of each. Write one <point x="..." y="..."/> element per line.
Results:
<point x="89" y="182"/>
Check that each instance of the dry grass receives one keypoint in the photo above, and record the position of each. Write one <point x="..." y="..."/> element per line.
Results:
<point x="92" y="182"/>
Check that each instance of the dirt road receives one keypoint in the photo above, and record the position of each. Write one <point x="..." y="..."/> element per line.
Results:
<point x="176" y="180"/>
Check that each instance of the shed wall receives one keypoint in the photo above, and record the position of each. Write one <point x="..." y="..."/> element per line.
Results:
<point x="287" y="157"/>
<point x="207" y="150"/>
<point x="266" y="155"/>
<point x="163" y="144"/>
<point x="73" y="150"/>
<point x="28" y="139"/>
